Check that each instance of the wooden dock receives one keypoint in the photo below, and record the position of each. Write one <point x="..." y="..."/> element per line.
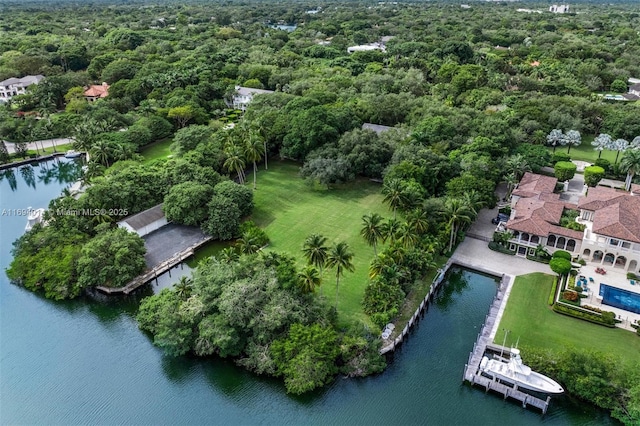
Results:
<point x="152" y="274"/>
<point x="472" y="373"/>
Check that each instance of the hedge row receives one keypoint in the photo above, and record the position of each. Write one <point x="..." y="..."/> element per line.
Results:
<point x="554" y="287"/>
<point x="497" y="247"/>
<point x="545" y="260"/>
<point x="564" y="309"/>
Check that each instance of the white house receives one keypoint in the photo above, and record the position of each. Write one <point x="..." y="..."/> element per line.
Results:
<point x="145" y="222"/>
<point x="612" y="236"/>
<point x="561" y="8"/>
<point x="17" y="86"/>
<point x="366" y="47"/>
<point x="243" y="96"/>
<point x="635" y="89"/>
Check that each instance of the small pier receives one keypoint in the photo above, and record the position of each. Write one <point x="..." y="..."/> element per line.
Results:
<point x="484" y="344"/>
<point x="157" y="270"/>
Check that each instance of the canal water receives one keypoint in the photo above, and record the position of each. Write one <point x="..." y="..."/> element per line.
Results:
<point x="85" y="361"/>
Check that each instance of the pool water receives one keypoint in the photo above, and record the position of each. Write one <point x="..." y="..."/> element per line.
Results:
<point x="619" y="298"/>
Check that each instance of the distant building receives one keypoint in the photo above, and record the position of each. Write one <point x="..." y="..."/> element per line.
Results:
<point x="376" y="127"/>
<point x="366" y="47"/>
<point x="243" y="96"/>
<point x="96" y="91"/>
<point x="635" y="89"/>
<point x="17" y="86"/>
<point x="561" y="8"/>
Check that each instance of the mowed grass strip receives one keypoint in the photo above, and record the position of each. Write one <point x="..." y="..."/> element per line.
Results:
<point x="289" y="210"/>
<point x="157" y="150"/>
<point x="585" y="151"/>
<point x="529" y="317"/>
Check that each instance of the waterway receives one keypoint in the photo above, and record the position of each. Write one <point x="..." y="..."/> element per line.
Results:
<point x="86" y="362"/>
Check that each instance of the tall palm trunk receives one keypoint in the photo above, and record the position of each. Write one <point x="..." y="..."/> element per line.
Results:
<point x="255" y="168"/>
<point x="265" y="155"/>
<point x="337" y="282"/>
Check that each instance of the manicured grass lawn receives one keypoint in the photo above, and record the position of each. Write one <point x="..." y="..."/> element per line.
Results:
<point x="529" y="317"/>
<point x="289" y="211"/>
<point x="585" y="151"/>
<point x="157" y="150"/>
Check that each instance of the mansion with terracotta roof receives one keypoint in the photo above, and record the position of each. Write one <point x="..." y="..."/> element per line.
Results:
<point x="611" y="218"/>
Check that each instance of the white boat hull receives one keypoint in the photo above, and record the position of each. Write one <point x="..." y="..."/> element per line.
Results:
<point x="516" y="373"/>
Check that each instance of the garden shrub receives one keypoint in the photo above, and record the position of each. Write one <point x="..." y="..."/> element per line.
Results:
<point x="561" y="254"/>
<point x="560" y="156"/>
<point x="564" y="170"/>
<point x="501" y="249"/>
<point x="605" y="164"/>
<point x="571" y="311"/>
<point x="252" y="231"/>
<point x="570" y="295"/>
<point x="632" y="276"/>
<point x="593" y="175"/>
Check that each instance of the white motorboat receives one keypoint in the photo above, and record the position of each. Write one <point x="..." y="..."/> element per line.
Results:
<point x="515" y="372"/>
<point x="72" y="154"/>
<point x="35" y="216"/>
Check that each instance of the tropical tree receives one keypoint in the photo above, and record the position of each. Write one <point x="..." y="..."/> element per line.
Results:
<point x="572" y="138"/>
<point x="393" y="192"/>
<point x="630" y="164"/>
<point x="406" y="237"/>
<point x="235" y="160"/>
<point x="517" y="165"/>
<point x="418" y="221"/>
<point x="601" y="142"/>
<point x="101" y="152"/>
<point x="183" y="288"/>
<point x="316" y="251"/>
<point x="372" y="230"/>
<point x="457" y="213"/>
<point x="309" y="278"/>
<point x="390" y="230"/>
<point x="247" y="244"/>
<point x="620" y="145"/>
<point x="254" y="150"/>
<point x="341" y="258"/>
<point x="228" y="255"/>
<point x="378" y="265"/>
<point x="555" y="138"/>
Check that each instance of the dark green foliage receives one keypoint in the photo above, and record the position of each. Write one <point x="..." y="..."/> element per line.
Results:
<point x="188" y="138"/>
<point x="560" y="266"/>
<point x="306" y="358"/>
<point x="158" y="126"/>
<point x="253" y="232"/>
<point x="605" y="164"/>
<point x="593" y="175"/>
<point x="560" y="156"/>
<point x="327" y="171"/>
<point x="537" y="156"/>
<point x="606" y="320"/>
<point x="112" y="259"/>
<point x="499" y="248"/>
<point x="186" y="203"/>
<point x="45" y="259"/>
<point x="240" y="195"/>
<point x="568" y="220"/>
<point x="564" y="170"/>
<point x="382" y="301"/>
<point x="224" y="218"/>
<point x="561" y="254"/>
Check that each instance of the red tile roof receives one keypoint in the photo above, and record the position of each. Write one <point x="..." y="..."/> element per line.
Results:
<point x="532" y="185"/>
<point x="97" y="91"/>
<point x="617" y="213"/>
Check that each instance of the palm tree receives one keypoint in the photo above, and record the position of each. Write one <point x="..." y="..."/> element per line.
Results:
<point x="101" y="152"/>
<point x="620" y="145"/>
<point x="247" y="244"/>
<point x="555" y="138"/>
<point x="378" y="264"/>
<point x="630" y="164"/>
<point x="372" y="230"/>
<point x="406" y="237"/>
<point x="572" y="138"/>
<point x="517" y="165"/>
<point x="341" y="258"/>
<point x="316" y="251"/>
<point x="309" y="279"/>
<point x="393" y="192"/>
<point x="228" y="255"/>
<point x="235" y="160"/>
<point x="601" y="142"/>
<point x="254" y="150"/>
<point x="390" y="230"/>
<point x="457" y="212"/>
<point x="183" y="288"/>
<point x="418" y="221"/>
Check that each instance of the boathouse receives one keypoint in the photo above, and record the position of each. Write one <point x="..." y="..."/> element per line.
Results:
<point x="145" y="222"/>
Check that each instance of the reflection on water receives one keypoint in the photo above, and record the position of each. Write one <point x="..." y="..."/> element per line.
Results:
<point x="58" y="170"/>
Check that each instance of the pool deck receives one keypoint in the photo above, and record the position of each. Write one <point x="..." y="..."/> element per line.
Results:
<point x="615" y="277"/>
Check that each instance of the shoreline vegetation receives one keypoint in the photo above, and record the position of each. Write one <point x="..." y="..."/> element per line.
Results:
<point x="463" y="99"/>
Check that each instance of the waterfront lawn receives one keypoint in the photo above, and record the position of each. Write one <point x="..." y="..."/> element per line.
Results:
<point x="585" y="151"/>
<point x="289" y="210"/>
<point x="529" y="317"/>
<point x="157" y="150"/>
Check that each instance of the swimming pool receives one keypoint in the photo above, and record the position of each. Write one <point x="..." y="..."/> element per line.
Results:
<point x="619" y="298"/>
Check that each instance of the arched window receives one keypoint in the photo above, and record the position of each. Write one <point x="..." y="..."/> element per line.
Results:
<point x="551" y="241"/>
<point x="586" y="253"/>
<point x="608" y="259"/>
<point x="561" y="242"/>
<point x="597" y="256"/>
<point x="621" y="262"/>
<point x="525" y="236"/>
<point x="633" y="265"/>
<point x="571" y="245"/>
<point x="535" y="239"/>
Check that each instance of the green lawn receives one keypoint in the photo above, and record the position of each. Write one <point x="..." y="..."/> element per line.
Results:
<point x="157" y="150"/>
<point x="585" y="151"/>
<point x="289" y="211"/>
<point x="529" y="317"/>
